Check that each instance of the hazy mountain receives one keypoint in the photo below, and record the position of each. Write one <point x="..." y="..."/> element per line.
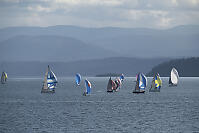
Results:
<point x="187" y="67"/>
<point x="49" y="48"/>
<point x="181" y="41"/>
<point x="128" y="66"/>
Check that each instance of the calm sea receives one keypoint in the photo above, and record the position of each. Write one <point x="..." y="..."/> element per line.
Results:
<point x="24" y="109"/>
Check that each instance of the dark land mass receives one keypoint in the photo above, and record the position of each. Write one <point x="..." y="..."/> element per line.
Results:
<point x="125" y="65"/>
<point x="186" y="67"/>
<point x="108" y="75"/>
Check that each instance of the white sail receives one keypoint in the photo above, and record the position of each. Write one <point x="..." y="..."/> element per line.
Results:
<point x="174" y="76"/>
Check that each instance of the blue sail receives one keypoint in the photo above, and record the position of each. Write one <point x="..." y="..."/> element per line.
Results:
<point x="51" y="79"/>
<point x="122" y="77"/>
<point x="88" y="86"/>
<point x="142" y="81"/>
<point x="78" y="78"/>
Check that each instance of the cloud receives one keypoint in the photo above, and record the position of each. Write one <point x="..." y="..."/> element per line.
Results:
<point x="99" y="13"/>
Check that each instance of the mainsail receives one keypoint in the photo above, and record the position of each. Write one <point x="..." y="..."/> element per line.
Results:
<point x="174" y="77"/>
<point x="110" y="85"/>
<point x="141" y="83"/>
<point x="78" y="78"/>
<point x="50" y="81"/>
<point x="118" y="83"/>
<point x="4" y="77"/>
<point x="88" y="86"/>
<point x="156" y="83"/>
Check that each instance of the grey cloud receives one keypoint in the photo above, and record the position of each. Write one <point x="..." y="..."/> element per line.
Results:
<point x="96" y="13"/>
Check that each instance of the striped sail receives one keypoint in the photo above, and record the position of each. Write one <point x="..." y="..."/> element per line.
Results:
<point x="78" y="78"/>
<point x="50" y="80"/>
<point x="174" y="77"/>
<point x="118" y="83"/>
<point x="88" y="86"/>
<point x="142" y="81"/>
<point x="4" y="77"/>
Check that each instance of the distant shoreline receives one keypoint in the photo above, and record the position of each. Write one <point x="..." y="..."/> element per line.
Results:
<point x="108" y="75"/>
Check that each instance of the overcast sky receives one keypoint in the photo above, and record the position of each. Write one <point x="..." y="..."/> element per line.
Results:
<point x="99" y="13"/>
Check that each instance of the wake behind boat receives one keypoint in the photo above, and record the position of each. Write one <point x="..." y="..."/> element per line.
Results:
<point x="174" y="77"/>
<point x="156" y="83"/>
<point x="4" y="77"/>
<point x="141" y="83"/>
<point x="50" y="82"/>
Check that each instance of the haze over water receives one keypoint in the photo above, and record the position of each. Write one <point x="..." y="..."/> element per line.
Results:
<point x="24" y="109"/>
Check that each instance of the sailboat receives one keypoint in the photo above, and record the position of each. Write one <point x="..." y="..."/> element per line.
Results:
<point x="118" y="83"/>
<point x="156" y="83"/>
<point x="141" y="83"/>
<point x="50" y="81"/>
<point x="88" y="88"/>
<point x="173" y="80"/>
<point x="122" y="77"/>
<point x="110" y="85"/>
<point x="78" y="79"/>
<point x="4" y="77"/>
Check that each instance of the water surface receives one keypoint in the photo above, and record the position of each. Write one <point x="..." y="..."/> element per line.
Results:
<point x="24" y="109"/>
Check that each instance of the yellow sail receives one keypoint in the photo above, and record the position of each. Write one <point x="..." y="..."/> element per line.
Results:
<point x="158" y="82"/>
<point x="6" y="76"/>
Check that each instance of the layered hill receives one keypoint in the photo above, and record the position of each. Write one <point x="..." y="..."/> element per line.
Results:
<point x="49" y="48"/>
<point x="181" y="41"/>
<point x="186" y="67"/>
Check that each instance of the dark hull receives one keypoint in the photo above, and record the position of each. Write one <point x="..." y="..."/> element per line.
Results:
<point x="138" y="92"/>
<point x="172" y="85"/>
<point x="3" y="82"/>
<point x="110" y="91"/>
<point x="47" y="91"/>
<point x="154" y="90"/>
<point x="85" y="94"/>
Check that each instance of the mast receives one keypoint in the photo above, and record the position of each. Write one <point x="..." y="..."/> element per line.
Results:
<point x="153" y="83"/>
<point x="137" y="88"/>
<point x="45" y="84"/>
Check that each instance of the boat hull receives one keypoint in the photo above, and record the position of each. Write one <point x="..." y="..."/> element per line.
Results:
<point x="85" y="94"/>
<point x="47" y="91"/>
<point x="154" y="90"/>
<point x="138" y="92"/>
<point x="172" y="85"/>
